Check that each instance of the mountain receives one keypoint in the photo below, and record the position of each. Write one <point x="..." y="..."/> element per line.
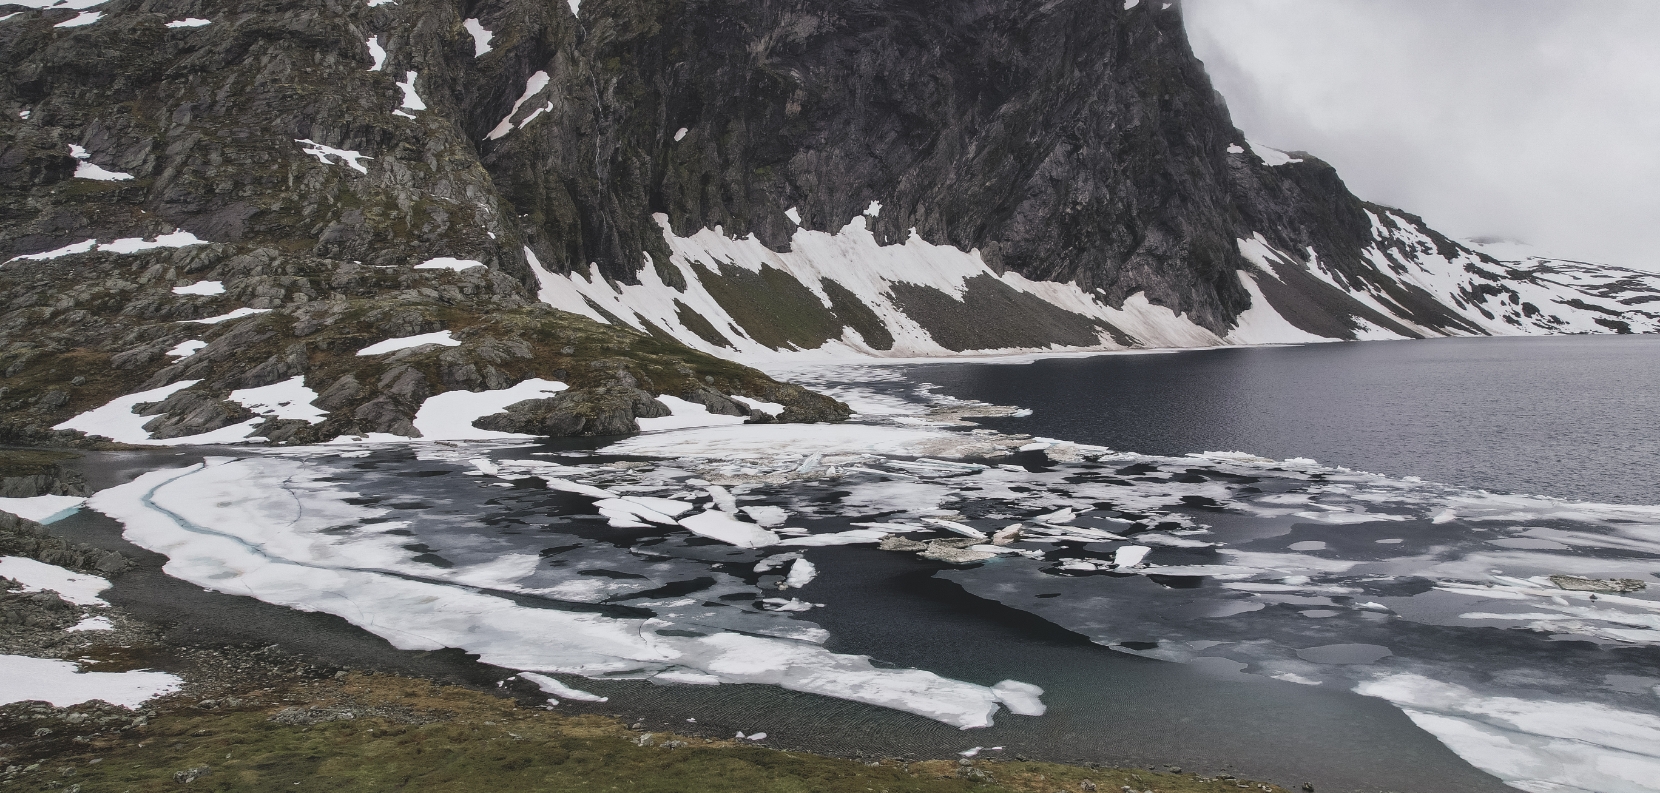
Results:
<point x="305" y="221"/>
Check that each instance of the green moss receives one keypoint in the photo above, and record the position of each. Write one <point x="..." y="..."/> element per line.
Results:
<point x="857" y="315"/>
<point x="435" y="738"/>
<point x="772" y="307"/>
<point x="696" y="323"/>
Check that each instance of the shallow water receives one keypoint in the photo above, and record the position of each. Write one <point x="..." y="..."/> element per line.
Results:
<point x="1567" y="416"/>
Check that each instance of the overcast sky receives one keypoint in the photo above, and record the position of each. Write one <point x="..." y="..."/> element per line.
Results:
<point x="1537" y="120"/>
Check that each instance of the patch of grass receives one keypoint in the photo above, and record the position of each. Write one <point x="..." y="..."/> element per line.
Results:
<point x="772" y="307"/>
<point x="413" y="735"/>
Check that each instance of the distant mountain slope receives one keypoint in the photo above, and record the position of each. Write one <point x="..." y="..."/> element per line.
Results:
<point x="247" y="194"/>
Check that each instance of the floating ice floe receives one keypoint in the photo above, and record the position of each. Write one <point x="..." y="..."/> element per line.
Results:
<point x="481" y="37"/>
<point x="189" y="22"/>
<point x="348" y="158"/>
<point x="201" y="288"/>
<point x="441" y="338"/>
<point x="203" y="517"/>
<point x="42" y="509"/>
<point x="25" y="679"/>
<point x="80" y="589"/>
<point x="448" y="263"/>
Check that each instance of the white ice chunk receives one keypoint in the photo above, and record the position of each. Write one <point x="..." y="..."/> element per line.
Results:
<point x="685" y="415"/>
<point x="201" y="288"/>
<point x="441" y="338"/>
<point x="718" y="525"/>
<point x="448" y="263"/>
<point x="236" y="314"/>
<point x="767" y="516"/>
<point x="411" y="100"/>
<point x="559" y="689"/>
<point x="377" y="53"/>
<point x="481" y="37"/>
<point x="1532" y="744"/>
<point x="953" y="526"/>
<point x="1130" y="555"/>
<point x="42" y="509"/>
<point x="323" y="153"/>
<point x="449" y="416"/>
<point x="189" y="22"/>
<point x="533" y="86"/>
<point x="801" y="574"/>
<point x="627" y="513"/>
<point x="1020" y="698"/>
<point x="78" y="588"/>
<point x="289" y="399"/>
<point x="80" y="20"/>
<point x="59" y="682"/>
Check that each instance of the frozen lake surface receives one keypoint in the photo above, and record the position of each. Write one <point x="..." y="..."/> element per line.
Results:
<point x="1279" y="618"/>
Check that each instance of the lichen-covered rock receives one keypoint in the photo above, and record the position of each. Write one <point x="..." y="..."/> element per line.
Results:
<point x="604" y="410"/>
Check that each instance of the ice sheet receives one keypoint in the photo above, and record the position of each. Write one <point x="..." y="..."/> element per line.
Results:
<point x="186" y="515"/>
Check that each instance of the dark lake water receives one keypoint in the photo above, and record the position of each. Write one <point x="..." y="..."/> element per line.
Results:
<point x="1566" y="416"/>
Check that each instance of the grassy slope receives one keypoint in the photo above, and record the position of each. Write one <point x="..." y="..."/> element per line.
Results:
<point x="472" y="741"/>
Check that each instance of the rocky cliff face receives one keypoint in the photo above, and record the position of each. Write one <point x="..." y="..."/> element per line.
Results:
<point x="239" y="193"/>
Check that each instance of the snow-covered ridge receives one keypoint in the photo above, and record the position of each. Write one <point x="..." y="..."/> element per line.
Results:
<point x="1403" y="266"/>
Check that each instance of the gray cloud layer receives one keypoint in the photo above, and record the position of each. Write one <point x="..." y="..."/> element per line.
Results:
<point x="1537" y="120"/>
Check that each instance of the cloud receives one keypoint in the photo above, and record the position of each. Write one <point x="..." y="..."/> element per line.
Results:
<point x="1536" y="120"/>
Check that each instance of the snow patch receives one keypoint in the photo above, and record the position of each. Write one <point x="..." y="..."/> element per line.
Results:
<point x="533" y="86"/>
<point x="411" y="100"/>
<point x="393" y="345"/>
<point x="80" y="589"/>
<point x="448" y="263"/>
<point x="680" y="134"/>
<point x="449" y="416"/>
<point x="201" y="288"/>
<point x="481" y="37"/>
<point x="23" y="679"/>
<point x="81" y="20"/>
<point x="347" y="157"/>
<point x="227" y="317"/>
<point x="189" y="22"/>
<point x="289" y="399"/>
<point x="42" y="509"/>
<point x="684" y="415"/>
<point x="185" y="349"/>
<point x="376" y="53"/>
